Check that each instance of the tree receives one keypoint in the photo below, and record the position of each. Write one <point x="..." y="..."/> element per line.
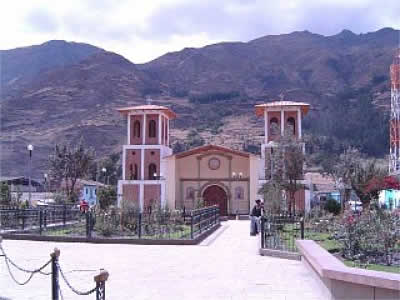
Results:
<point x="342" y="168"/>
<point x="332" y="206"/>
<point x="68" y="164"/>
<point x="107" y="196"/>
<point x="5" y="194"/>
<point x="113" y="169"/>
<point x="286" y="171"/>
<point x="294" y="163"/>
<point x="272" y="192"/>
<point x="379" y="183"/>
<point x="363" y="177"/>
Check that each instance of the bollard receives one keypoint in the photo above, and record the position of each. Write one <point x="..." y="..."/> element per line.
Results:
<point x="101" y="284"/>
<point x="55" y="286"/>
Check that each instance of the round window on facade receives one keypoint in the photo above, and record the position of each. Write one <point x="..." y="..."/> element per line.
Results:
<point x="214" y="163"/>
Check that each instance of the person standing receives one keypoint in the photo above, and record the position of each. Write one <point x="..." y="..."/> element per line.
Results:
<point x="255" y="216"/>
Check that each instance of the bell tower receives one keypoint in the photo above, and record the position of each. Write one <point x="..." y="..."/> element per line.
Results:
<point x="281" y="118"/>
<point x="143" y="167"/>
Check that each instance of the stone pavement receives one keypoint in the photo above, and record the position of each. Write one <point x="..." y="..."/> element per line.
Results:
<point x="224" y="266"/>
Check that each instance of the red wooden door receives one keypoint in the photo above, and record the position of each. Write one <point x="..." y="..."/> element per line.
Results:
<point x="215" y="195"/>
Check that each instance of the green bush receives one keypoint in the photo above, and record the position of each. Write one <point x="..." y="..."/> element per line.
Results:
<point x="107" y="196"/>
<point x="332" y="206"/>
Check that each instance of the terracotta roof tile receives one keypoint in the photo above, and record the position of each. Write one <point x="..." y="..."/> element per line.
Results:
<point x="261" y="107"/>
<point x="126" y="110"/>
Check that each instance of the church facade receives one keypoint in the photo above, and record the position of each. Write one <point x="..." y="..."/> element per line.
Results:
<point x="210" y="174"/>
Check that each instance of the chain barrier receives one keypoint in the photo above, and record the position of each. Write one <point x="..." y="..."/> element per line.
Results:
<point x="57" y="294"/>
<point x="31" y="273"/>
<point x="39" y="270"/>
<point x="80" y="293"/>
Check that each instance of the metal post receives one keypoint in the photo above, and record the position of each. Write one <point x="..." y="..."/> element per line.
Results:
<point x="40" y="222"/>
<point x="23" y="221"/>
<point x="54" y="274"/>
<point x="302" y="228"/>
<point x="191" y="225"/>
<point x="45" y="218"/>
<point x="262" y="232"/>
<point x="87" y="224"/>
<point x="64" y="215"/>
<point x="140" y="225"/>
<point x="200" y="221"/>
<point x="101" y="284"/>
<point x="184" y="214"/>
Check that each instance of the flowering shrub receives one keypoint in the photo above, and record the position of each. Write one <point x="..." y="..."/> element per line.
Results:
<point x="372" y="237"/>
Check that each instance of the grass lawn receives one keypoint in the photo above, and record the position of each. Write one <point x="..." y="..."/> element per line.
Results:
<point x="332" y="246"/>
<point x="181" y="232"/>
<point x="324" y="240"/>
<point x="69" y="230"/>
<point x="383" y="268"/>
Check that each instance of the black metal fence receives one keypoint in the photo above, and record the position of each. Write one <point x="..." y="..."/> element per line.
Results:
<point x="280" y="232"/>
<point x="55" y="271"/>
<point x="38" y="219"/>
<point x="69" y="221"/>
<point x="156" y="224"/>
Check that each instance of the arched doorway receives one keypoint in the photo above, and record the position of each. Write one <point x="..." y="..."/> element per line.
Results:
<point x="216" y="195"/>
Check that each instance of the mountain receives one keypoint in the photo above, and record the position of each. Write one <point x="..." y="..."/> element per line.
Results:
<point x="24" y="63"/>
<point x="281" y="63"/>
<point x="59" y="91"/>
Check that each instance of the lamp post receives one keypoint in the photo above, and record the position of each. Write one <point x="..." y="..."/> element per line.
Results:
<point x="104" y="170"/>
<point x="30" y="149"/>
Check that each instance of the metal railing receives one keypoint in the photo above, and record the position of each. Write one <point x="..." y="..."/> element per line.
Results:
<point x="280" y="232"/>
<point x="37" y="219"/>
<point x="69" y="221"/>
<point x="162" y="225"/>
<point x="203" y="219"/>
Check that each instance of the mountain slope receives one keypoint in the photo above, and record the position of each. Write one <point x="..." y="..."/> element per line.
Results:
<point x="213" y="90"/>
<point x="23" y="63"/>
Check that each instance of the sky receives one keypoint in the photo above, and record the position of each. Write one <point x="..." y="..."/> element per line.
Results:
<point x="142" y="30"/>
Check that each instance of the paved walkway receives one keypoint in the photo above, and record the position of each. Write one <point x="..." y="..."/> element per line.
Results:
<point x="225" y="266"/>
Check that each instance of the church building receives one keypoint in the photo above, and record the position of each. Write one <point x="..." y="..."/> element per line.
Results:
<point x="212" y="174"/>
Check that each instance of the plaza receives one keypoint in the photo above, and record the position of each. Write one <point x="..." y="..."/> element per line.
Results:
<point x="226" y="265"/>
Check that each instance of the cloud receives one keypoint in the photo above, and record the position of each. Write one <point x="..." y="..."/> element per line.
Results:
<point x="41" y="21"/>
<point x="245" y="20"/>
<point x="143" y="30"/>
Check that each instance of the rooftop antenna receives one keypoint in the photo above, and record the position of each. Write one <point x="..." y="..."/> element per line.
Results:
<point x="149" y="101"/>
<point x="281" y="96"/>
